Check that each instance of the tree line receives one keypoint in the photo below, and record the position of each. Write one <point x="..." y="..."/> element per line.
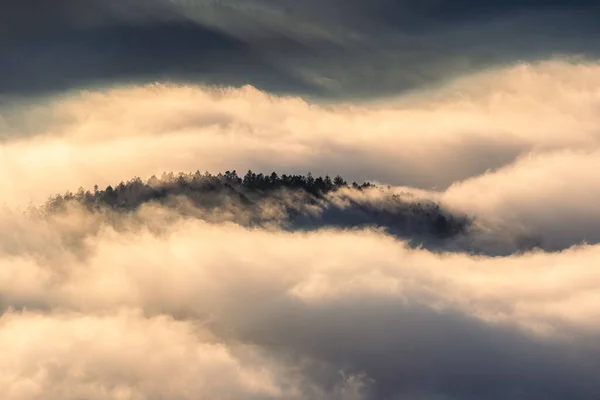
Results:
<point x="244" y="197"/>
<point x="134" y="192"/>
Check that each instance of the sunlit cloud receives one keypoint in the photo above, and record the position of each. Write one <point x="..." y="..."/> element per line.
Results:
<point x="179" y="300"/>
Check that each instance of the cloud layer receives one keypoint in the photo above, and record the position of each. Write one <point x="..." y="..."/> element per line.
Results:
<point x="360" y="302"/>
<point x="331" y="49"/>
<point x="515" y="146"/>
<point x="156" y="303"/>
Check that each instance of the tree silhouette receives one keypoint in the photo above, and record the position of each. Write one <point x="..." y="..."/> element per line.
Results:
<point x="208" y="192"/>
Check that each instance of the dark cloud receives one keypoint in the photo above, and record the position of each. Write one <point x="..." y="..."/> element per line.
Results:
<point x="70" y="44"/>
<point x="412" y="351"/>
<point x="321" y="48"/>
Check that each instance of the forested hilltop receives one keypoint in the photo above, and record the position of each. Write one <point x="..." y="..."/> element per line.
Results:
<point x="130" y="194"/>
<point x="288" y="201"/>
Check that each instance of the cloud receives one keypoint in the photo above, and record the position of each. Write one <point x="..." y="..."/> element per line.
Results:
<point x="160" y="303"/>
<point x="88" y="44"/>
<point x="360" y="302"/>
<point x="338" y="49"/>
<point x="127" y="356"/>
<point x="509" y="146"/>
<point x="560" y="203"/>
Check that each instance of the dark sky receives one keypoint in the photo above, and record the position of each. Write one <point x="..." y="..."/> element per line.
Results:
<point x="329" y="48"/>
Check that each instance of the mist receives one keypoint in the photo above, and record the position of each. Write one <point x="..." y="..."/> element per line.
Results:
<point x="462" y="264"/>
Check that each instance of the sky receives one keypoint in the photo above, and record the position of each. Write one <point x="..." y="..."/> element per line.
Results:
<point x="315" y="48"/>
<point x="489" y="109"/>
